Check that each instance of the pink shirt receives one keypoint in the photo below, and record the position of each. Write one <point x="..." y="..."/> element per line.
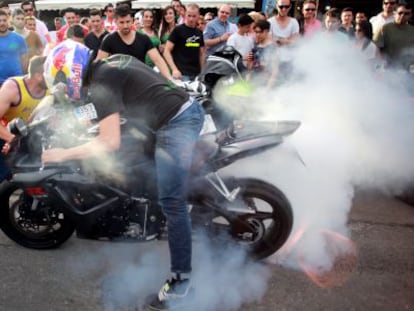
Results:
<point x="110" y="26"/>
<point x="312" y="28"/>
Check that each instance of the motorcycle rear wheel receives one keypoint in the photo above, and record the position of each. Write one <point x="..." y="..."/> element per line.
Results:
<point x="268" y="213"/>
<point x="42" y="228"/>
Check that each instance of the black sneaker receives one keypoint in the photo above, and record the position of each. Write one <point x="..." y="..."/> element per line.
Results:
<point x="175" y="294"/>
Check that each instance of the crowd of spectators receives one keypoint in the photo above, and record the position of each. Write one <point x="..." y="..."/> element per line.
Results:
<point x="179" y="41"/>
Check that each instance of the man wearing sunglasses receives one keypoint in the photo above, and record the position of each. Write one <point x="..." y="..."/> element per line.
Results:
<point x="285" y="30"/>
<point x="396" y="40"/>
<point x="311" y="24"/>
<point x="29" y="10"/>
<point x="385" y="17"/>
<point x="109" y="22"/>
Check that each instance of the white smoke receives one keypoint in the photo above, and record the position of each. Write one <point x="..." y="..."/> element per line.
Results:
<point x="129" y="274"/>
<point x="356" y="132"/>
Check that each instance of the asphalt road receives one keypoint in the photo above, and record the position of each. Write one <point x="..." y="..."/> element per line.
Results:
<point x="91" y="275"/>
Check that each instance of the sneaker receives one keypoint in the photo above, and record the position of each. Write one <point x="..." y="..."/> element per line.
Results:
<point x="175" y="294"/>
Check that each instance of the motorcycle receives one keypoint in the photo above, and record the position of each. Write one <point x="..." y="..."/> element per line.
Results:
<point x="41" y="206"/>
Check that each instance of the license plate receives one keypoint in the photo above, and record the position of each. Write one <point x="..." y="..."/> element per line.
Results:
<point x="86" y="112"/>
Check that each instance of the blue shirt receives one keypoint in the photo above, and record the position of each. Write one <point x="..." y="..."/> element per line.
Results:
<point x="215" y="29"/>
<point x="12" y="48"/>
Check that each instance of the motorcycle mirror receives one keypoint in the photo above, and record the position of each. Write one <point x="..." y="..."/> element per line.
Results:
<point x="18" y="127"/>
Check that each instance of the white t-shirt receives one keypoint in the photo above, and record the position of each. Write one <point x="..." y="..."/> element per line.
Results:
<point x="42" y="30"/>
<point x="277" y="31"/>
<point x="243" y="44"/>
<point x="378" y="20"/>
<point x="370" y="52"/>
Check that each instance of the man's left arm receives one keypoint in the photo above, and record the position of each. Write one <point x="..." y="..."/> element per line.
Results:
<point x="202" y="57"/>
<point x="202" y="51"/>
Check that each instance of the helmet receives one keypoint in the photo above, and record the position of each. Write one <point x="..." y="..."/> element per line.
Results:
<point x="67" y="63"/>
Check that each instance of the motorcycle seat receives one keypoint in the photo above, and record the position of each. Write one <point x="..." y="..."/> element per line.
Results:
<point x="34" y="177"/>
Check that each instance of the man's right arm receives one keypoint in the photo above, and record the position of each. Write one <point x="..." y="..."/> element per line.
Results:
<point x="218" y="40"/>
<point x="8" y="95"/>
<point x="104" y="50"/>
<point x="102" y="54"/>
<point x="212" y="38"/>
<point x="108" y="140"/>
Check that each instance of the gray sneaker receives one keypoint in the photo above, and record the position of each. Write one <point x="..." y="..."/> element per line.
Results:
<point x="174" y="294"/>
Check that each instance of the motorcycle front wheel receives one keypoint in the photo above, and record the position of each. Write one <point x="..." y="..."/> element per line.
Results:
<point x="30" y="222"/>
<point x="259" y="219"/>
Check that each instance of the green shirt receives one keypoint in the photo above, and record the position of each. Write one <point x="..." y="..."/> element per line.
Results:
<point x="394" y="40"/>
<point x="155" y="41"/>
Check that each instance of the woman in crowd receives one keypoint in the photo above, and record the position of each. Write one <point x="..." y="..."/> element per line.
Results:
<point x="138" y="20"/>
<point x="85" y="21"/>
<point x="363" y="41"/>
<point x="148" y="28"/>
<point x="256" y="16"/>
<point x="201" y="23"/>
<point x="167" y="25"/>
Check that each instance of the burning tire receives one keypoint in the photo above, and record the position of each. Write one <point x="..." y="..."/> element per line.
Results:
<point x="260" y="218"/>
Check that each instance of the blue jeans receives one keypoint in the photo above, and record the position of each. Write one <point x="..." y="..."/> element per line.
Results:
<point x="175" y="143"/>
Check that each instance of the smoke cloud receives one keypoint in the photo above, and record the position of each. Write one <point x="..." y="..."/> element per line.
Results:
<point x="356" y="133"/>
<point x="129" y="274"/>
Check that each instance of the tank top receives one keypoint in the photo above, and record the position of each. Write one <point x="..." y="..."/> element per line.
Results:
<point x="27" y="102"/>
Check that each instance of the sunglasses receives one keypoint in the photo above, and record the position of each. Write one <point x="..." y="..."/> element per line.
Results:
<point x="310" y="10"/>
<point x="28" y="10"/>
<point x="403" y="13"/>
<point x="283" y="7"/>
<point x="390" y="3"/>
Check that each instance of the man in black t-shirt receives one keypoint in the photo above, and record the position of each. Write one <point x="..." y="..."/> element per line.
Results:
<point x="129" y="42"/>
<point x="184" y="51"/>
<point x="122" y="85"/>
<point x="94" y="39"/>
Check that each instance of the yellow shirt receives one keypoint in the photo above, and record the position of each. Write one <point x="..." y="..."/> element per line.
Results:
<point x="27" y="102"/>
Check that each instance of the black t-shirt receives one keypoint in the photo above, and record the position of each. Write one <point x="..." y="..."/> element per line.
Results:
<point x="122" y="84"/>
<point x="186" y="52"/>
<point x="93" y="42"/>
<point x="113" y="44"/>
